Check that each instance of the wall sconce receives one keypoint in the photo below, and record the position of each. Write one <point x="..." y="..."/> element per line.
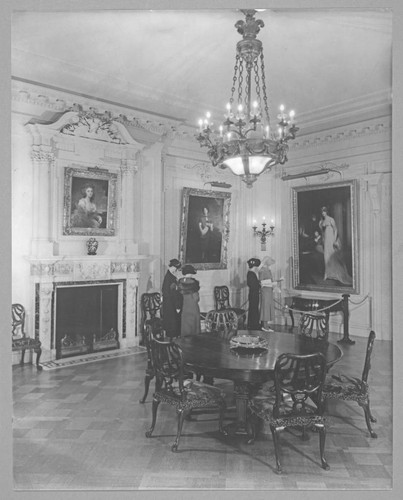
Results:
<point x="263" y="233"/>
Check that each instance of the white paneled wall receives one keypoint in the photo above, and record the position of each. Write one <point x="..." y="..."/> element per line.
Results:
<point x="150" y="204"/>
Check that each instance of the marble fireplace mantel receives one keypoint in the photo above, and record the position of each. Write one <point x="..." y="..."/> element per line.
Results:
<point x="83" y="268"/>
<point x="48" y="273"/>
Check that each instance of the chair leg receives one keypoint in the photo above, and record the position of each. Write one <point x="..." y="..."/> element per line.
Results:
<point x="322" y="439"/>
<point x="147" y="381"/>
<point x="368" y="419"/>
<point x="371" y="417"/>
<point x="275" y="433"/>
<point x="181" y="417"/>
<point x="251" y="427"/>
<point x="154" y="418"/>
<point x="22" y="357"/>
<point x="221" y="419"/>
<point x="38" y="351"/>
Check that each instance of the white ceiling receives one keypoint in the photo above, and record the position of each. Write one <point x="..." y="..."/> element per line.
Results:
<point x="180" y="63"/>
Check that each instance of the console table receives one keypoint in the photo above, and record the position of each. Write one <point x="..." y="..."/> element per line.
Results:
<point x="312" y="304"/>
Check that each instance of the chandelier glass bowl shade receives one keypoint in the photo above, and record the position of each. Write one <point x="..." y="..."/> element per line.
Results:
<point x="245" y="141"/>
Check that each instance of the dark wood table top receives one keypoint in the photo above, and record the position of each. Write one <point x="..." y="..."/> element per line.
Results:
<point x="214" y="356"/>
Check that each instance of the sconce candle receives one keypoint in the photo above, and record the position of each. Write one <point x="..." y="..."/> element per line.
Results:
<point x="264" y="232"/>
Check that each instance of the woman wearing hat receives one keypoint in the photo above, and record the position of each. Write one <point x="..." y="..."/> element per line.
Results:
<point x="189" y="287"/>
<point x="253" y="283"/>
<point x="171" y="300"/>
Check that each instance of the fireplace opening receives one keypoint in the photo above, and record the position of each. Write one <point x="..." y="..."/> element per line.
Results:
<point x="86" y="319"/>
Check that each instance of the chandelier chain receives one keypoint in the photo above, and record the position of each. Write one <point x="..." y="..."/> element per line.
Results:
<point x="247" y="97"/>
<point x="257" y="82"/>
<point x="240" y="82"/>
<point x="234" y="79"/>
<point x="266" y="105"/>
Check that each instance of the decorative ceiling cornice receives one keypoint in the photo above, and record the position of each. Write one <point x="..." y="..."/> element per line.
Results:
<point x="59" y="101"/>
<point x="375" y="127"/>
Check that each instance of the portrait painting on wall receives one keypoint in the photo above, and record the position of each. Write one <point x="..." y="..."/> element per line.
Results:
<point x="89" y="202"/>
<point x="325" y="237"/>
<point x="205" y="228"/>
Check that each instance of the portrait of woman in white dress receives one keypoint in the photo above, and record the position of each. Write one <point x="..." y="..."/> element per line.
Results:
<point x="325" y="237"/>
<point x="335" y="268"/>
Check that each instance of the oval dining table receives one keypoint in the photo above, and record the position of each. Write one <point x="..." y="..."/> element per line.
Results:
<point x="248" y="368"/>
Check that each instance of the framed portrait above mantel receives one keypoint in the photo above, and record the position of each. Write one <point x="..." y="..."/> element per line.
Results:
<point x="324" y="237"/>
<point x="204" y="228"/>
<point x="89" y="202"/>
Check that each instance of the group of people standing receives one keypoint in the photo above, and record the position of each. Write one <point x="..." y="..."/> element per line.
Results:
<point x="180" y="297"/>
<point x="180" y="300"/>
<point x="261" y="293"/>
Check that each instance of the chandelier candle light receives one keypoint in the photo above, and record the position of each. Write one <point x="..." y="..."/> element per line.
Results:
<point x="263" y="233"/>
<point x="245" y="142"/>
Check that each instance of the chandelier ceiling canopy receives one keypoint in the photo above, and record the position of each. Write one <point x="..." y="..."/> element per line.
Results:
<point x="245" y="142"/>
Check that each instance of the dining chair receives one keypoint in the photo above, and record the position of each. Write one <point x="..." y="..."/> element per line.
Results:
<point x="296" y="401"/>
<point x="347" y="388"/>
<point x="223" y="323"/>
<point x="172" y="388"/>
<point x="221" y="302"/>
<point x="152" y="328"/>
<point x="150" y="307"/>
<point x="314" y="325"/>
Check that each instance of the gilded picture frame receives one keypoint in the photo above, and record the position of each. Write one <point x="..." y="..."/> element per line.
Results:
<point x="88" y="215"/>
<point x="205" y="228"/>
<point x="325" y="236"/>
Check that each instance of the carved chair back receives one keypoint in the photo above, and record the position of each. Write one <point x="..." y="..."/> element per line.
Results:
<point x="224" y="323"/>
<point x="153" y="329"/>
<point x="221" y="297"/>
<point x="302" y="378"/>
<point x="367" y="363"/>
<point x="168" y="366"/>
<point x="314" y="325"/>
<point x="18" y="321"/>
<point x="150" y="306"/>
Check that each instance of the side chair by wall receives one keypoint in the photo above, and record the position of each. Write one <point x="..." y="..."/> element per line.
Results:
<point x="20" y="340"/>
<point x="347" y="388"/>
<point x="314" y="325"/>
<point x="221" y="301"/>
<point x="223" y="323"/>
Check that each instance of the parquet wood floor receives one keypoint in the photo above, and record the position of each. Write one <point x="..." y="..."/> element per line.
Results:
<point x="82" y="428"/>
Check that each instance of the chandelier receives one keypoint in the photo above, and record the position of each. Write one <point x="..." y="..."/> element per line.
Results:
<point x="245" y="142"/>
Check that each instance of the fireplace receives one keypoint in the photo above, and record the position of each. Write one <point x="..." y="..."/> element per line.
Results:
<point x="85" y="304"/>
<point x="86" y="319"/>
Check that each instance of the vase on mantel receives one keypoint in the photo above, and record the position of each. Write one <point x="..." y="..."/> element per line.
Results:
<point x="92" y="246"/>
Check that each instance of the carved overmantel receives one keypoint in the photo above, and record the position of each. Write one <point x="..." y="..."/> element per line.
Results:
<point x="86" y="140"/>
<point x="47" y="274"/>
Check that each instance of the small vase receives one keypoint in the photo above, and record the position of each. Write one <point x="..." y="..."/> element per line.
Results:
<point x="92" y="246"/>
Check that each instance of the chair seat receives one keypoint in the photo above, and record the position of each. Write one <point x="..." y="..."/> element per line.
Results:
<point x="262" y="407"/>
<point x="25" y="343"/>
<point x="344" y="387"/>
<point x="238" y="311"/>
<point x="195" y="395"/>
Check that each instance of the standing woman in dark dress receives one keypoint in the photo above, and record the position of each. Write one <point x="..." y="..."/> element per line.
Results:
<point x="189" y="287"/>
<point x="253" y="283"/>
<point x="171" y="322"/>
